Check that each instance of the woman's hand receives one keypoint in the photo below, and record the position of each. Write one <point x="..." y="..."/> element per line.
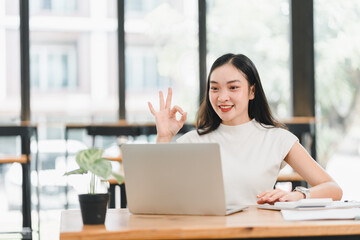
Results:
<point x="167" y="125"/>
<point x="278" y="195"/>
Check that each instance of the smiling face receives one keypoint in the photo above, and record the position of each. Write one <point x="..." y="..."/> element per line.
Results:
<point x="229" y="94"/>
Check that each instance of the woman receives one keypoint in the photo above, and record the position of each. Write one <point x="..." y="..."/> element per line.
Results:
<point x="254" y="146"/>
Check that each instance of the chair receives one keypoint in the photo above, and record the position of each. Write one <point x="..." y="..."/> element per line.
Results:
<point x="113" y="183"/>
<point x="25" y="131"/>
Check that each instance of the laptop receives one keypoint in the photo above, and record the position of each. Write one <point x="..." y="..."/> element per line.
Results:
<point x="175" y="178"/>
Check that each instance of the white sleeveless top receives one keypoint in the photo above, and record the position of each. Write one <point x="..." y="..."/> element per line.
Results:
<point x="252" y="156"/>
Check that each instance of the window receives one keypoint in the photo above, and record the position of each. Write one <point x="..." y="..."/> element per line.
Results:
<point x="260" y="30"/>
<point x="9" y="61"/>
<point x="337" y="75"/>
<point x="74" y="79"/>
<point x="73" y="63"/>
<point x="141" y="69"/>
<point x="141" y="6"/>
<point x="10" y="113"/>
<point x="54" y="6"/>
<point x="53" y="67"/>
<point x="161" y="52"/>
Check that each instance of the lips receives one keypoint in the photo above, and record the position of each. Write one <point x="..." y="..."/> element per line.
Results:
<point x="226" y="108"/>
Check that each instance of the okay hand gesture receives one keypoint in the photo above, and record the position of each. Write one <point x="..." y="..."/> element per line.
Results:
<point x="167" y="125"/>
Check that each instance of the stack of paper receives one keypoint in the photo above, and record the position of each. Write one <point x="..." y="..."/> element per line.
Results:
<point x="305" y="203"/>
<point x="340" y="213"/>
<point x="311" y="204"/>
<point x="316" y="209"/>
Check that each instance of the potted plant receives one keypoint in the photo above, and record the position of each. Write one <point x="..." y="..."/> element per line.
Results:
<point x="93" y="205"/>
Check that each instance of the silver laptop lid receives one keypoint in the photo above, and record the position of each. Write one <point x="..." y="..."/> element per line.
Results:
<point x="174" y="178"/>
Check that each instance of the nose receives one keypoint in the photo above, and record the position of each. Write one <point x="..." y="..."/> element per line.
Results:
<point x="223" y="96"/>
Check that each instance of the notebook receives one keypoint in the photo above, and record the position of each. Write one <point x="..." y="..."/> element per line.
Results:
<point x="175" y="178"/>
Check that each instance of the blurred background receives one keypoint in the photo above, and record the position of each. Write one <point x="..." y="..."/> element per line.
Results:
<point x="74" y="78"/>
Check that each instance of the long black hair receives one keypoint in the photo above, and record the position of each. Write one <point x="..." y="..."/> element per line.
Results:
<point x="207" y="119"/>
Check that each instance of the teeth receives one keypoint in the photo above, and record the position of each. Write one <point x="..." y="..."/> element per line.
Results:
<point x="225" y="107"/>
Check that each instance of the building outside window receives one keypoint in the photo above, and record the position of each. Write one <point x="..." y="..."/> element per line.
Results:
<point x="74" y="74"/>
<point x="54" y="67"/>
<point x="9" y="61"/>
<point x="9" y="113"/>
<point x="55" y="6"/>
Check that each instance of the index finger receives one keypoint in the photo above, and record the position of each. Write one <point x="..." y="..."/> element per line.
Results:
<point x="168" y="98"/>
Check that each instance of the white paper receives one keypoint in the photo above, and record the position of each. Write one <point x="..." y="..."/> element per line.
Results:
<point x="340" y="213"/>
<point x="307" y="206"/>
<point x="311" y="202"/>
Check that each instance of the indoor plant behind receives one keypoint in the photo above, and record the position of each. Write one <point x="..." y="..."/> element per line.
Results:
<point x="93" y="205"/>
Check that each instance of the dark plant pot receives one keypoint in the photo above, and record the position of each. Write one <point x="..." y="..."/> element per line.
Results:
<point x="93" y="208"/>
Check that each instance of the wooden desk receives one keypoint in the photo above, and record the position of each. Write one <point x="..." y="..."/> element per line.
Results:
<point x="251" y="223"/>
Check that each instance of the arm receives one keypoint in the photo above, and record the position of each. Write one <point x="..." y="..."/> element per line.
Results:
<point x="167" y="126"/>
<point x="323" y="186"/>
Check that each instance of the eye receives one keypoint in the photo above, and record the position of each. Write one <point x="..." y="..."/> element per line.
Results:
<point x="234" y="87"/>
<point x="214" y="88"/>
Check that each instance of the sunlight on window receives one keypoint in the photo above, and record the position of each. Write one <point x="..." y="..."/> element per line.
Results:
<point x="161" y="52"/>
<point x="337" y="55"/>
<point x="260" y="30"/>
<point x="9" y="61"/>
<point x="74" y="73"/>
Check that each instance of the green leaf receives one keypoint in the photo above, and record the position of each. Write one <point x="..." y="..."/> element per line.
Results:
<point x="77" y="171"/>
<point x="91" y="160"/>
<point x="100" y="167"/>
<point x="88" y="156"/>
<point x="119" y="178"/>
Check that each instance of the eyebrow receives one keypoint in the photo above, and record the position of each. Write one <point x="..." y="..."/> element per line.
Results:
<point x="229" y="82"/>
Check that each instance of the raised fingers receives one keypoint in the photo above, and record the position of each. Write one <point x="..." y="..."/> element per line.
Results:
<point x="168" y="98"/>
<point x="152" y="110"/>
<point x="161" y="99"/>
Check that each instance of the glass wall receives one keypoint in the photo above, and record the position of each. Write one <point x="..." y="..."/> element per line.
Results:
<point x="74" y="79"/>
<point x="9" y="61"/>
<point x="73" y="57"/>
<point x="161" y="51"/>
<point x="337" y="61"/>
<point x="259" y="29"/>
<point x="9" y="112"/>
